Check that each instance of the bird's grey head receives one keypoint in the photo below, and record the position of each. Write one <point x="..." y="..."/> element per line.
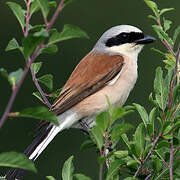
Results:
<point x="124" y="40"/>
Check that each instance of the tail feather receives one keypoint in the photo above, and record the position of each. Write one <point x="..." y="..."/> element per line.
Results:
<point x="37" y="144"/>
<point x="40" y="143"/>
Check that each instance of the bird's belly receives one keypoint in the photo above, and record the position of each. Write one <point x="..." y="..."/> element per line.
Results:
<point x="116" y="92"/>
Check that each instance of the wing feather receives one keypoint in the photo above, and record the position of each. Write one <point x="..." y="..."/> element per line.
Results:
<point x="90" y="75"/>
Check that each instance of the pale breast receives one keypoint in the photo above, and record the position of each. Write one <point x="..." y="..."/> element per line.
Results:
<point x="117" y="91"/>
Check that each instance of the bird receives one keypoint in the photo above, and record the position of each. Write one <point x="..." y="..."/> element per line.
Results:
<point x="109" y="69"/>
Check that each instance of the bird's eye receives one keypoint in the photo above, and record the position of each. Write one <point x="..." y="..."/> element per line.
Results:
<point x="124" y="35"/>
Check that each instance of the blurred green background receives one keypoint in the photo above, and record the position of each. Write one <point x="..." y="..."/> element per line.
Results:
<point x="95" y="17"/>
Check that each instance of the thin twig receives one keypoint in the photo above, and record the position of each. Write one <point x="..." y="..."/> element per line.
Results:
<point x="39" y="89"/>
<point x="28" y="65"/>
<point x="174" y="80"/>
<point x="17" y="86"/>
<point x="58" y="10"/>
<point x="148" y="155"/>
<point x="28" y="16"/>
<point x="171" y="160"/>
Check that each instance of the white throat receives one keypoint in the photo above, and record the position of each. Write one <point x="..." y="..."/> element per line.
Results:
<point x="128" y="50"/>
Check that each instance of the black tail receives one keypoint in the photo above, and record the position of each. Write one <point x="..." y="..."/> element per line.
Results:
<point x="18" y="173"/>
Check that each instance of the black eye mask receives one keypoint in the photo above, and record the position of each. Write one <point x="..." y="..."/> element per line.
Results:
<point x="123" y="38"/>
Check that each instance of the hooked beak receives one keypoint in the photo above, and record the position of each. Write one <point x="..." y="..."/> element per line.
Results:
<point x="146" y="40"/>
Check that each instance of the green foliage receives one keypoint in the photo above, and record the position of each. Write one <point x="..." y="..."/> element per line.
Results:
<point x="13" y="45"/>
<point x="50" y="178"/>
<point x="41" y="113"/>
<point x="68" y="169"/>
<point x="47" y="80"/>
<point x="44" y="6"/>
<point x="18" y="12"/>
<point x="81" y="177"/>
<point x="68" y="32"/>
<point x="96" y="136"/>
<point x="15" y="76"/>
<point x="36" y="67"/>
<point x="16" y="160"/>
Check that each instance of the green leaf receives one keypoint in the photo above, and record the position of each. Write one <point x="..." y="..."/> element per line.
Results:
<point x="160" y="89"/>
<point x="18" y="12"/>
<point x="152" y="17"/>
<point x="49" y="49"/>
<point x="38" y="95"/>
<point x="121" y="154"/>
<point x="168" y="136"/>
<point x="81" y="177"/>
<point x="102" y="121"/>
<point x="176" y="33"/>
<point x="47" y="80"/>
<point x="16" y="160"/>
<point x="53" y="4"/>
<point x="30" y="43"/>
<point x="132" y="163"/>
<point x="139" y="139"/>
<point x="165" y="10"/>
<point x="130" y="178"/>
<point x="152" y="116"/>
<point x="41" y="113"/>
<point x="109" y="105"/>
<point x="165" y="125"/>
<point x="176" y="125"/>
<point x="167" y="129"/>
<point x="44" y="5"/>
<point x="162" y="35"/>
<point x="156" y="164"/>
<point x="119" y="130"/>
<point x="50" y="178"/>
<point x="1" y="178"/>
<point x="126" y="141"/>
<point x="114" y="167"/>
<point x="153" y="7"/>
<point x="118" y="112"/>
<point x="163" y="144"/>
<point x="158" y="51"/>
<point x="142" y="112"/>
<point x="15" y="76"/>
<point x="56" y="93"/>
<point x="4" y="73"/>
<point x="66" y="2"/>
<point x="12" y="45"/>
<point x="41" y="33"/>
<point x="176" y="94"/>
<point x="68" y="169"/>
<point x="86" y="145"/>
<point x="68" y="32"/>
<point x="34" y="7"/>
<point x="36" y="67"/>
<point x="96" y="136"/>
<point x="167" y="24"/>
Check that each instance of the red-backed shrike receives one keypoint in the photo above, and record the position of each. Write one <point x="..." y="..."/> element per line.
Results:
<point x="110" y="68"/>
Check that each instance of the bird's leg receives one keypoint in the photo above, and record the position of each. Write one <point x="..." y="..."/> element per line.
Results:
<point x="85" y="127"/>
<point x="107" y="149"/>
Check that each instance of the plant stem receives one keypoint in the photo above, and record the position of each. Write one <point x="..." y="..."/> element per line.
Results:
<point x="17" y="87"/>
<point x="148" y="155"/>
<point x="13" y="96"/>
<point x="28" y="16"/>
<point x="174" y="80"/>
<point x="101" y="167"/>
<point x="31" y="60"/>
<point x="39" y="89"/>
<point x="171" y="160"/>
<point x="58" y="10"/>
